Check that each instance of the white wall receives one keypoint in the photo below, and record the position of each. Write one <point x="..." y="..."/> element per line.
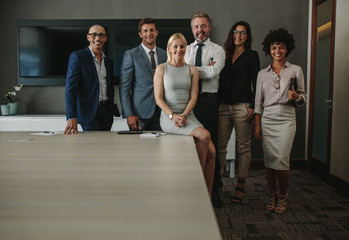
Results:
<point x="340" y="117"/>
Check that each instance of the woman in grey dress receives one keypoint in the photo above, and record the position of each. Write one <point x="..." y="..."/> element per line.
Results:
<point x="176" y="91"/>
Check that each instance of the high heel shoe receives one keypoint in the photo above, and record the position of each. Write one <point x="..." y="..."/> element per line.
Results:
<point x="272" y="202"/>
<point x="237" y="199"/>
<point x="282" y="204"/>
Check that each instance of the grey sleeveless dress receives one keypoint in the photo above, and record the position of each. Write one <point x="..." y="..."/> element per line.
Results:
<point x="177" y="84"/>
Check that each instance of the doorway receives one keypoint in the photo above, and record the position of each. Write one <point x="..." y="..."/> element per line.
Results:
<point x="321" y="87"/>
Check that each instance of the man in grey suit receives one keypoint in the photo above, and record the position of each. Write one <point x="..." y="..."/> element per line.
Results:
<point x="136" y="81"/>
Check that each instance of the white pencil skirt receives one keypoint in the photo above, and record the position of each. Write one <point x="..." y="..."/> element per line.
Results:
<point x="278" y="131"/>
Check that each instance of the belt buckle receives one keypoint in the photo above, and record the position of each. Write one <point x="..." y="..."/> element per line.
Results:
<point x="103" y="103"/>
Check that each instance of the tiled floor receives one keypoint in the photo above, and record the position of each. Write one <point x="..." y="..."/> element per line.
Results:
<point x="315" y="210"/>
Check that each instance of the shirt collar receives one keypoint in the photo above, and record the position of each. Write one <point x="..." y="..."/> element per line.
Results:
<point x="206" y="42"/>
<point x="287" y="65"/>
<point x="94" y="56"/>
<point x="147" y="50"/>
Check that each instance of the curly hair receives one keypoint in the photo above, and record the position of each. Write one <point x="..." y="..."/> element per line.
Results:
<point x="280" y="35"/>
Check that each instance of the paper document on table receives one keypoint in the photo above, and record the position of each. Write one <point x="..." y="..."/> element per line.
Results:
<point x="47" y="133"/>
<point x="152" y="134"/>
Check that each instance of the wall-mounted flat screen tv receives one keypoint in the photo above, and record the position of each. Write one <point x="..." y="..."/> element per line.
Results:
<point x="44" y="46"/>
<point x="44" y="51"/>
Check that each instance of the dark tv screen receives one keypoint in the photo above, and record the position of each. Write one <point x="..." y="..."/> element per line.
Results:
<point x="44" y="51"/>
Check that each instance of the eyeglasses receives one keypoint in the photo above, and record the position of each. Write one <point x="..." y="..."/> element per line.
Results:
<point x="237" y="32"/>
<point x="277" y="82"/>
<point x="100" y="35"/>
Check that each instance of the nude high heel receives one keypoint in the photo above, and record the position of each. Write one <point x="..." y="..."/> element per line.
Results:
<point x="272" y="202"/>
<point x="282" y="204"/>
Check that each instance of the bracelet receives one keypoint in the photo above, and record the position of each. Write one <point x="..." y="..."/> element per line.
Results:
<point x="298" y="99"/>
<point x="185" y="116"/>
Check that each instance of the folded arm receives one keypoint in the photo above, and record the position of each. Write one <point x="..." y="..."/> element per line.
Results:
<point x="215" y="66"/>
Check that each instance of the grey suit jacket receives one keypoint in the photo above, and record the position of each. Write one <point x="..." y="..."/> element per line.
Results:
<point x="136" y="83"/>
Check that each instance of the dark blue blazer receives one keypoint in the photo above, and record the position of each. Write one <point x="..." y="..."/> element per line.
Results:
<point x="82" y="86"/>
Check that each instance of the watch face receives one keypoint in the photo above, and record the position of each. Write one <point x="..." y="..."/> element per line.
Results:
<point x="170" y="116"/>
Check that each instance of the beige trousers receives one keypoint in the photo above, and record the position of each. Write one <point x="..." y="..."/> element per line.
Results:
<point x="231" y="116"/>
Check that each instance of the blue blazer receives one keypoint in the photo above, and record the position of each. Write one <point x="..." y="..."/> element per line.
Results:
<point x="136" y="83"/>
<point x="82" y="86"/>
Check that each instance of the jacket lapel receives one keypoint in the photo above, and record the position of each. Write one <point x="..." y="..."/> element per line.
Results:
<point x="92" y="63"/>
<point x="161" y="58"/>
<point x="145" y="58"/>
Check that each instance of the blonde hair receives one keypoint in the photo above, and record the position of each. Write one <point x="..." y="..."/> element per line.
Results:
<point x="170" y="41"/>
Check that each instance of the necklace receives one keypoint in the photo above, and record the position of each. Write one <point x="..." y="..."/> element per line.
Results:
<point x="277" y="78"/>
<point x="277" y="82"/>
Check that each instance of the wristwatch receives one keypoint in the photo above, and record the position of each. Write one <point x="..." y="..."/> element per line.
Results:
<point x="171" y="115"/>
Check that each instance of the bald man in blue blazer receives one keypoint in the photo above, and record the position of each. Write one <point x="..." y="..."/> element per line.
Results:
<point x="136" y="80"/>
<point x="89" y="94"/>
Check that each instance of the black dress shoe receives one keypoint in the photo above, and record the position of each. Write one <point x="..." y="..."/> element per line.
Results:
<point x="217" y="201"/>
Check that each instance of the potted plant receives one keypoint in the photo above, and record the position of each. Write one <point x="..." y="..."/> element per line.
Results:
<point x="11" y="100"/>
<point x="5" y="107"/>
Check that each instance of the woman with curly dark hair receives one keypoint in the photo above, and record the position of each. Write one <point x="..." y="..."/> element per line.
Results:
<point x="280" y="87"/>
<point x="237" y="85"/>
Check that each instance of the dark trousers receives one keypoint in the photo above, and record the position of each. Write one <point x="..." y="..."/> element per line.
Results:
<point x="206" y="111"/>
<point x="153" y="123"/>
<point x="103" y="121"/>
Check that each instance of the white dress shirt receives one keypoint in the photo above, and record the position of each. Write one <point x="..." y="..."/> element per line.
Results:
<point x="211" y="52"/>
<point x="147" y="51"/>
<point x="102" y="77"/>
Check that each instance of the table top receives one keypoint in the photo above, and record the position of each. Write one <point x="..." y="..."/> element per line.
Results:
<point x="101" y="185"/>
<point x="40" y="116"/>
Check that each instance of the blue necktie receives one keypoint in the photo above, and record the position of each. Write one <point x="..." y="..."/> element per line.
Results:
<point x="198" y="62"/>
<point x="198" y="55"/>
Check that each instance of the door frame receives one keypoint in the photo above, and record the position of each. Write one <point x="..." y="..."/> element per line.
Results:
<point x="316" y="166"/>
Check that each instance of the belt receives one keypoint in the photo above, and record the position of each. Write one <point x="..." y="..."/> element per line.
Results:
<point x="207" y="94"/>
<point x="104" y="103"/>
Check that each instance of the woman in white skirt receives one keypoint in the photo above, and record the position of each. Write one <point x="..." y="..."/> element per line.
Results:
<point x="280" y="87"/>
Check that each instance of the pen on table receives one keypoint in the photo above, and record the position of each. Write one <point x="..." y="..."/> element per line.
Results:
<point x="49" y="132"/>
<point x="157" y="134"/>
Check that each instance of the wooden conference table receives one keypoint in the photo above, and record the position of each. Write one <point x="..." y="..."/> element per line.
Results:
<point x="101" y="185"/>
